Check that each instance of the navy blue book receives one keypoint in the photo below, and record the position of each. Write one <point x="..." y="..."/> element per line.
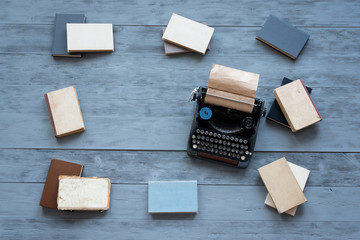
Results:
<point x="275" y="114"/>
<point x="59" y="48"/>
<point x="282" y="36"/>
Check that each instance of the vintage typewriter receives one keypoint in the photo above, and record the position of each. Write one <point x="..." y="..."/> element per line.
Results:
<point x="221" y="133"/>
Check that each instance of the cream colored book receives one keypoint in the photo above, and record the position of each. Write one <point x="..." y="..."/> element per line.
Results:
<point x="83" y="193"/>
<point x="282" y="186"/>
<point x="297" y="105"/>
<point x="64" y="110"/>
<point x="90" y="37"/>
<point x="187" y="33"/>
<point x="301" y="174"/>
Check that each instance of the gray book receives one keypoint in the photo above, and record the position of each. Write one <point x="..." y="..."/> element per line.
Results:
<point x="59" y="48"/>
<point x="282" y="36"/>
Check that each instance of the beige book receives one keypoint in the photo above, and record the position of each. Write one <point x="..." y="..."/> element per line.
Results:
<point x="232" y="88"/>
<point x="65" y="113"/>
<point x="282" y="186"/>
<point x="83" y="193"/>
<point x="187" y="33"/>
<point x="297" y="105"/>
<point x="301" y="174"/>
<point x="89" y="37"/>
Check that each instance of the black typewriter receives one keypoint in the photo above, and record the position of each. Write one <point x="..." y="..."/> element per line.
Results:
<point x="223" y="134"/>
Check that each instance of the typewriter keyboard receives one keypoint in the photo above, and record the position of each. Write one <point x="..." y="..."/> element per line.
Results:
<point x="222" y="145"/>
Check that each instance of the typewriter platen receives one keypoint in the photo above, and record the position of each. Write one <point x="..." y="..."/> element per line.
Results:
<point x="223" y="134"/>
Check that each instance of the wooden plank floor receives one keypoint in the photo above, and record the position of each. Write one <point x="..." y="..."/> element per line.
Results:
<point x="134" y="103"/>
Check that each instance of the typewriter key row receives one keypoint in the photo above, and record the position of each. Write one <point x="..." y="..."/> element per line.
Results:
<point x="220" y="144"/>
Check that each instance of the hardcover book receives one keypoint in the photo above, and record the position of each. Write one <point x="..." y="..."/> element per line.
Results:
<point x="90" y="37"/>
<point x="275" y="114"/>
<point x="59" y="48"/>
<point x="172" y="197"/>
<point x="83" y="193"/>
<point x="297" y="105"/>
<point x="171" y="49"/>
<point x="282" y="36"/>
<point x="64" y="110"/>
<point x="282" y="186"/>
<point x="57" y="168"/>
<point x="188" y="34"/>
<point x="301" y="174"/>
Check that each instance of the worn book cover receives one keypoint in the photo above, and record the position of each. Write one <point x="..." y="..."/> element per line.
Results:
<point x="283" y="37"/>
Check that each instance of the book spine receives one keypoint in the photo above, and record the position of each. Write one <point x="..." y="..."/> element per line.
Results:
<point x="284" y="112"/>
<point x="50" y="114"/>
<point x="311" y="99"/>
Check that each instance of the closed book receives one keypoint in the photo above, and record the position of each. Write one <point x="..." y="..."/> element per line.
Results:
<point x="188" y="34"/>
<point x="57" y="168"/>
<point x="90" y="37"/>
<point x="59" y="48"/>
<point x="172" y="197"/>
<point x="83" y="193"/>
<point x="275" y="114"/>
<point x="65" y="113"/>
<point x="282" y="186"/>
<point x="283" y="37"/>
<point x="297" y="105"/>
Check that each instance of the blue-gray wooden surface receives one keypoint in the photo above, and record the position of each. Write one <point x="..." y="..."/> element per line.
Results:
<point x="134" y="103"/>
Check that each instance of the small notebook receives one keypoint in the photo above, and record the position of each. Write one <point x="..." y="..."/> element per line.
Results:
<point x="59" y="48"/>
<point x="275" y="114"/>
<point x="232" y="88"/>
<point x="282" y="186"/>
<point x="83" y="193"/>
<point x="301" y="174"/>
<point x="172" y="197"/>
<point x="171" y="49"/>
<point x="282" y="36"/>
<point x="187" y="33"/>
<point x="65" y="113"/>
<point x="297" y="105"/>
<point x="57" y="168"/>
<point x="90" y="37"/>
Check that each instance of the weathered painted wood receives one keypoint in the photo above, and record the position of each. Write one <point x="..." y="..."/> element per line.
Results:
<point x="138" y="167"/>
<point x="216" y="203"/>
<point x="143" y="12"/>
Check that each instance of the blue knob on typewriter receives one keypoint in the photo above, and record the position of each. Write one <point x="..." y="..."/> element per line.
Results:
<point x="205" y="113"/>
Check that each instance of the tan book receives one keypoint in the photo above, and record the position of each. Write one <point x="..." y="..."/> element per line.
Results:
<point x="187" y="33"/>
<point x="89" y="37"/>
<point x="301" y="174"/>
<point x="282" y="186"/>
<point x="83" y="193"/>
<point x="297" y="105"/>
<point x="232" y="88"/>
<point x="65" y="113"/>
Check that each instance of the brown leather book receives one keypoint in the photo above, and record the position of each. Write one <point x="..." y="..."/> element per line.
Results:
<point x="57" y="168"/>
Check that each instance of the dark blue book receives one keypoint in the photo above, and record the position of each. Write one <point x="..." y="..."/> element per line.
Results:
<point x="282" y="36"/>
<point x="275" y="114"/>
<point x="59" y="48"/>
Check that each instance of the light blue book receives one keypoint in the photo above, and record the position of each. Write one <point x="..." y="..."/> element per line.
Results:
<point x="172" y="197"/>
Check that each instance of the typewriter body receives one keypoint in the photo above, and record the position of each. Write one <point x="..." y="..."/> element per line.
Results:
<point x="223" y="134"/>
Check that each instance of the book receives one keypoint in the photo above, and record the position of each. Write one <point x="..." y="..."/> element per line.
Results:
<point x="171" y="49"/>
<point x="172" y="197"/>
<point x="297" y="105"/>
<point x="188" y="34"/>
<point x="301" y="174"/>
<point x="83" y="193"/>
<point x="64" y="110"/>
<point x="90" y="37"/>
<point x="232" y="88"/>
<point x="59" y="48"/>
<point x="283" y="37"/>
<point x="275" y="114"/>
<point x="57" y="168"/>
<point x="281" y="184"/>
